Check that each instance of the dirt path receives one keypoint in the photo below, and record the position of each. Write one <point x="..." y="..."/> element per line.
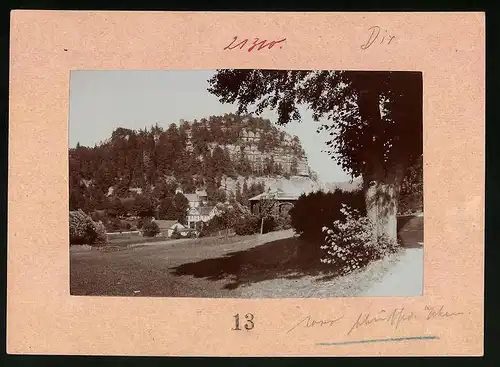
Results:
<point x="404" y="278"/>
<point x="399" y="274"/>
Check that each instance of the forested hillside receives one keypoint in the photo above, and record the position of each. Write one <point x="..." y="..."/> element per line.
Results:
<point x="198" y="154"/>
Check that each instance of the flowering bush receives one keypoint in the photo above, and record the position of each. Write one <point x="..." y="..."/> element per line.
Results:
<point x="83" y="230"/>
<point x="99" y="233"/>
<point x="350" y="244"/>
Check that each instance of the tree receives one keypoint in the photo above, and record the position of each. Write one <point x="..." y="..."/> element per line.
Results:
<point x="218" y="161"/>
<point x="181" y="205"/>
<point x="183" y="133"/>
<point x="375" y="120"/>
<point x="143" y="206"/>
<point x="238" y="193"/>
<point x="244" y="165"/>
<point x="162" y="190"/>
<point x="116" y="208"/>
<point x="228" y="164"/>
<point x="267" y="206"/>
<point x="245" y="194"/>
<point x="268" y="166"/>
<point x="166" y="209"/>
<point x="121" y="189"/>
<point x="76" y="194"/>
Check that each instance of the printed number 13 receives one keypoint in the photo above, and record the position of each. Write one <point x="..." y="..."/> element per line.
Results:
<point x="248" y="325"/>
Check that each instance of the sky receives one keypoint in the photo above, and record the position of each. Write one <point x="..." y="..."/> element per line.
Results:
<point x="102" y="100"/>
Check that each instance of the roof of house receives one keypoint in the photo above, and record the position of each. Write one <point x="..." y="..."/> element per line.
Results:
<point x="165" y="224"/>
<point x="192" y="197"/>
<point x="202" y="210"/>
<point x="276" y="195"/>
<point x="201" y="192"/>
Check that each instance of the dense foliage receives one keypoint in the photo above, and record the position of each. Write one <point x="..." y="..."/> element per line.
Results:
<point x="374" y="119"/>
<point x="317" y="209"/>
<point x="84" y="231"/>
<point x="349" y="243"/>
<point x="150" y="229"/>
<point x="411" y="197"/>
<point x="247" y="225"/>
<point x="191" y="155"/>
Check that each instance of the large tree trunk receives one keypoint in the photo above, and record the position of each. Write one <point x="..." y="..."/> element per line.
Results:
<point x="381" y="209"/>
<point x="381" y="195"/>
<point x="381" y="179"/>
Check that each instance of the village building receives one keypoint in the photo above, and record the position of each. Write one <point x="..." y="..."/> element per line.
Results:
<point x="196" y="200"/>
<point x="200" y="214"/>
<point x="167" y="228"/>
<point x="282" y="202"/>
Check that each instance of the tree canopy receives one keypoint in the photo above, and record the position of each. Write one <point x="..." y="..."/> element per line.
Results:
<point x="195" y="154"/>
<point x="374" y="118"/>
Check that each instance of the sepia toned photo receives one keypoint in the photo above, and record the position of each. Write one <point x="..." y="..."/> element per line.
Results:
<point x="246" y="183"/>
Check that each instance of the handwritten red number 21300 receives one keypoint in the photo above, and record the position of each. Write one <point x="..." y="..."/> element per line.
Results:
<point x="256" y="43"/>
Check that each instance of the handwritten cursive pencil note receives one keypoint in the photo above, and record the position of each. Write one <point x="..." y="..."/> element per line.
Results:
<point x="395" y="319"/>
<point x="257" y="44"/>
<point x="378" y="36"/>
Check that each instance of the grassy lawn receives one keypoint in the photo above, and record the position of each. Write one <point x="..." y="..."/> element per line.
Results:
<point x="132" y="240"/>
<point x="283" y="258"/>
<point x="288" y="258"/>
<point x="240" y="266"/>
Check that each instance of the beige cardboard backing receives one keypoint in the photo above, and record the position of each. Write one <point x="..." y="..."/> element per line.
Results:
<point x="42" y="316"/>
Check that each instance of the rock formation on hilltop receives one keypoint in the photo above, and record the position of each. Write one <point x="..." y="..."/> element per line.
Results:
<point x="222" y="154"/>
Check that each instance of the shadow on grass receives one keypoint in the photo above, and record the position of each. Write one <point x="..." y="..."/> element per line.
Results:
<point x="289" y="258"/>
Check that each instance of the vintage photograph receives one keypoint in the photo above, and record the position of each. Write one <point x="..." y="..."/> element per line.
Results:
<point x="246" y="183"/>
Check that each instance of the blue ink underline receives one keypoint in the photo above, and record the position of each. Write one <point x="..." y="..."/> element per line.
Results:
<point x="381" y="340"/>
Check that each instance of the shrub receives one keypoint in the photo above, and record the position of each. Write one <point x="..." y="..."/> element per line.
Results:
<point x="350" y="244"/>
<point x="246" y="225"/>
<point x="99" y="230"/>
<point x="114" y="225"/>
<point x="283" y="222"/>
<point x="411" y="196"/>
<point x="225" y="219"/>
<point x="141" y="222"/>
<point x="150" y="229"/>
<point x="270" y="224"/>
<point x="83" y="230"/>
<point x="175" y="234"/>
<point x="315" y="210"/>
